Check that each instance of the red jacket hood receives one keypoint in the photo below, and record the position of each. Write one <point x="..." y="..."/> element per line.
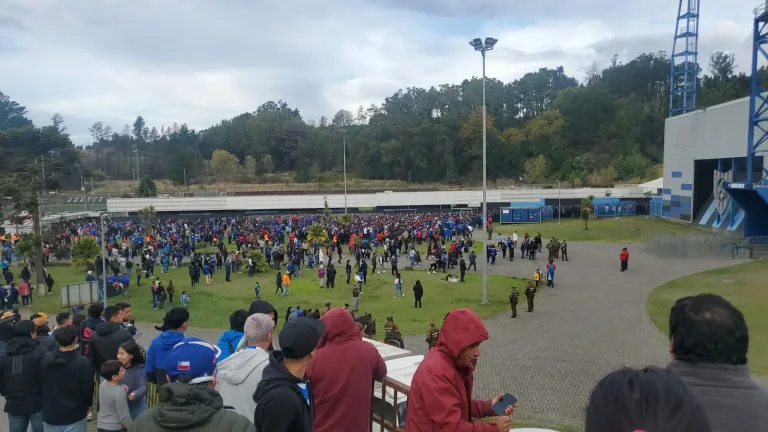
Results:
<point x="339" y="327"/>
<point x="461" y="328"/>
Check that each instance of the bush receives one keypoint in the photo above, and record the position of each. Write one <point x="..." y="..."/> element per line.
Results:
<point x="259" y="259"/>
<point x="60" y="253"/>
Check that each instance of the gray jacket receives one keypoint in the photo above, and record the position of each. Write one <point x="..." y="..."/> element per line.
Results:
<point x="733" y="401"/>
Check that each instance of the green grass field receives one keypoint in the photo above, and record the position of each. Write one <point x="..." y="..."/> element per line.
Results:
<point x="628" y="229"/>
<point x="210" y="307"/>
<point x="743" y="285"/>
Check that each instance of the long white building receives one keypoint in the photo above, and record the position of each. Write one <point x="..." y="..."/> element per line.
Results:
<point x="376" y="201"/>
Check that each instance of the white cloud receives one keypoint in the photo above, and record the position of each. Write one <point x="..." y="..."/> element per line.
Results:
<point x="198" y="61"/>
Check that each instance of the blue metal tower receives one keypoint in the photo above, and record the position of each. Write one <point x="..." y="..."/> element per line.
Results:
<point x="684" y="63"/>
<point x="757" y="141"/>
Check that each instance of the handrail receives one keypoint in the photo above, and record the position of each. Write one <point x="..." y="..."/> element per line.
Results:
<point x="382" y="419"/>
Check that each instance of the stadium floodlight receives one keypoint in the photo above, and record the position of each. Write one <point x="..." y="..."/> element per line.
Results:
<point x="478" y="44"/>
<point x="344" y="146"/>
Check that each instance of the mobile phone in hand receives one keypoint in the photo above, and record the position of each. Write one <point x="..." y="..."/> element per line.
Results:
<point x="500" y="406"/>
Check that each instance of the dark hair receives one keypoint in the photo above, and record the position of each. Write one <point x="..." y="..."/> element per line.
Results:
<point x="110" y="368"/>
<point x="77" y="320"/>
<point x="122" y="305"/>
<point x="237" y="320"/>
<point x="95" y="310"/>
<point x="62" y="317"/>
<point x="706" y="328"/>
<point x="110" y="312"/>
<point x="66" y="335"/>
<point x="649" y="399"/>
<point x="134" y="349"/>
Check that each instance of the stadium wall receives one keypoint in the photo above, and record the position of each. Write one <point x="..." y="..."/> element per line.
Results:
<point x="703" y="150"/>
<point x="380" y="201"/>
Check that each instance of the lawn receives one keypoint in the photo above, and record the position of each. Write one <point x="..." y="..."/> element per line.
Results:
<point x="628" y="229"/>
<point x="210" y="307"/>
<point x="743" y="285"/>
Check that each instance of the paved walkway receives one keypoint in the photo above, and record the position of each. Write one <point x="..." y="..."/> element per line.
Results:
<point x="590" y="324"/>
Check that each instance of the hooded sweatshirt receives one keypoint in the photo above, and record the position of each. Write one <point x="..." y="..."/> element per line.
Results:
<point x="342" y="374"/>
<point x="441" y="389"/>
<point x="238" y="377"/>
<point x="157" y="354"/>
<point x="228" y="342"/>
<point x="20" y="381"/>
<point x="192" y="408"/>
<point x="280" y="404"/>
<point x="105" y="341"/>
<point x="68" y="390"/>
<point x="258" y="306"/>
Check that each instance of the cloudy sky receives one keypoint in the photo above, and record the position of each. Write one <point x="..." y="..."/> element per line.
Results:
<point x="198" y="61"/>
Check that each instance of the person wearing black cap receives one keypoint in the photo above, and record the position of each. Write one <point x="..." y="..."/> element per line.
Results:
<point x="20" y="382"/>
<point x="284" y="397"/>
<point x="263" y="307"/>
<point x="173" y="328"/>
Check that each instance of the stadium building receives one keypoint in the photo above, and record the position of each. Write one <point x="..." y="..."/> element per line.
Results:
<point x="706" y="170"/>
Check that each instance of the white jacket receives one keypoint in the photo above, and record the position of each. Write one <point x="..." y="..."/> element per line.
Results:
<point x="238" y="376"/>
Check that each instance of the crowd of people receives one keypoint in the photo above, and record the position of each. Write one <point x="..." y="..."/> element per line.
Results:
<point x="320" y="376"/>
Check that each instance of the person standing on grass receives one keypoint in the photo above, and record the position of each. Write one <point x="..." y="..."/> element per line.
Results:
<point x="418" y="293"/>
<point x="286" y="283"/>
<point x="279" y="283"/>
<point x="113" y="400"/>
<point x="321" y="275"/>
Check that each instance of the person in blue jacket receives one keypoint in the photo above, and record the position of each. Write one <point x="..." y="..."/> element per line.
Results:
<point x="174" y="325"/>
<point x="230" y="338"/>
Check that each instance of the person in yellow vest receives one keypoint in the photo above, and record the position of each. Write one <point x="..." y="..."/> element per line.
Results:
<point x="537" y="277"/>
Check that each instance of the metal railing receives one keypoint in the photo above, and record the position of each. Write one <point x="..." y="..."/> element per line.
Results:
<point x="388" y="411"/>
<point x="699" y="245"/>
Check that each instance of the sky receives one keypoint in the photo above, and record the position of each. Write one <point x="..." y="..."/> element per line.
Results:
<point x="199" y="61"/>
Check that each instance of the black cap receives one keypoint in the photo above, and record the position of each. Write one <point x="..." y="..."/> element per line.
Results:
<point x="300" y="336"/>
<point x="24" y="328"/>
<point x="175" y="318"/>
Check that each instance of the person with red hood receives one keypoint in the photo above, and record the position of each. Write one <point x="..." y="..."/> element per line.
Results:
<point x="342" y="375"/>
<point x="441" y="389"/>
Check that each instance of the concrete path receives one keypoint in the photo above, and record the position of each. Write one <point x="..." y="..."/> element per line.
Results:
<point x="590" y="324"/>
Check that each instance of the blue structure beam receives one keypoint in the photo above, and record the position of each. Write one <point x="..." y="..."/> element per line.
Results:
<point x="757" y="134"/>
<point x="684" y="63"/>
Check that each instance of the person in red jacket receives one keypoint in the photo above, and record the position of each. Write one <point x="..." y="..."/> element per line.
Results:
<point x="342" y="375"/>
<point x="624" y="258"/>
<point x="441" y="389"/>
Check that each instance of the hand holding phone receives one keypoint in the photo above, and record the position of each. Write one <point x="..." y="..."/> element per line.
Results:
<point x="501" y="404"/>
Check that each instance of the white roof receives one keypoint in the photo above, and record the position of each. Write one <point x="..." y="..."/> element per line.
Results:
<point x="654" y="184"/>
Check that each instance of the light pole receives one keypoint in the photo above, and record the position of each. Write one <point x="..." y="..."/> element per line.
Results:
<point x="103" y="262"/>
<point x="185" y="180"/>
<point x="481" y="46"/>
<point x="344" y="143"/>
<point x="559" y="208"/>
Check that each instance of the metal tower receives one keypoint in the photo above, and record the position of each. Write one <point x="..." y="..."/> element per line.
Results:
<point x="757" y="138"/>
<point x="684" y="62"/>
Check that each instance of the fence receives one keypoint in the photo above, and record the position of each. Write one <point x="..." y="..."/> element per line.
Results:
<point x="702" y="245"/>
<point x="623" y="208"/>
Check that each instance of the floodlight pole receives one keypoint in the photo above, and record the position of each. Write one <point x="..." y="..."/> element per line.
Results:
<point x="481" y="46"/>
<point x="103" y="261"/>
<point x="559" y="208"/>
<point x="344" y="146"/>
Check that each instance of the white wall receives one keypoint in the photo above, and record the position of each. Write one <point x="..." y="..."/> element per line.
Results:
<point x="379" y="199"/>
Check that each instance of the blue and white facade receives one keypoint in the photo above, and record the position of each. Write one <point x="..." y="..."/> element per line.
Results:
<point x="703" y="152"/>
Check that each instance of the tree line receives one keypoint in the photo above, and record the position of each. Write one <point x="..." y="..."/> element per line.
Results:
<point x="542" y="127"/>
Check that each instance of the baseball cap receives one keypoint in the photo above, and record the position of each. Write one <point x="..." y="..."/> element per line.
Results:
<point x="300" y="337"/>
<point x="194" y="358"/>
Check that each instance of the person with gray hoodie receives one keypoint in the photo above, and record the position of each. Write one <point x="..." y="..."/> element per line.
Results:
<point x="240" y="373"/>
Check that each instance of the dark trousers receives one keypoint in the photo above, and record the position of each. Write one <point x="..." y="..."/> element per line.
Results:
<point x="462" y="275"/>
<point x="514" y="309"/>
<point x="279" y="288"/>
<point x="530" y="304"/>
<point x="624" y="265"/>
<point x="417" y="302"/>
<point x="473" y="265"/>
<point x="331" y="282"/>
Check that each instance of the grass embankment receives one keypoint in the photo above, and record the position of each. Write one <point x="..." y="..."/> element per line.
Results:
<point x="743" y="285"/>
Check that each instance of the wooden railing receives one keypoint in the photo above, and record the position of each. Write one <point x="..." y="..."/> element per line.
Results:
<point x="388" y="416"/>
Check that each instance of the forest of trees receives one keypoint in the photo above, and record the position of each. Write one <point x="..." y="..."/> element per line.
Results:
<point x="542" y="127"/>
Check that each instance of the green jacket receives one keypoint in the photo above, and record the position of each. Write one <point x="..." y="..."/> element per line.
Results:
<point x="193" y="408"/>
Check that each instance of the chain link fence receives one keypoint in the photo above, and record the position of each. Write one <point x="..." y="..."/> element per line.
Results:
<point x="698" y="245"/>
